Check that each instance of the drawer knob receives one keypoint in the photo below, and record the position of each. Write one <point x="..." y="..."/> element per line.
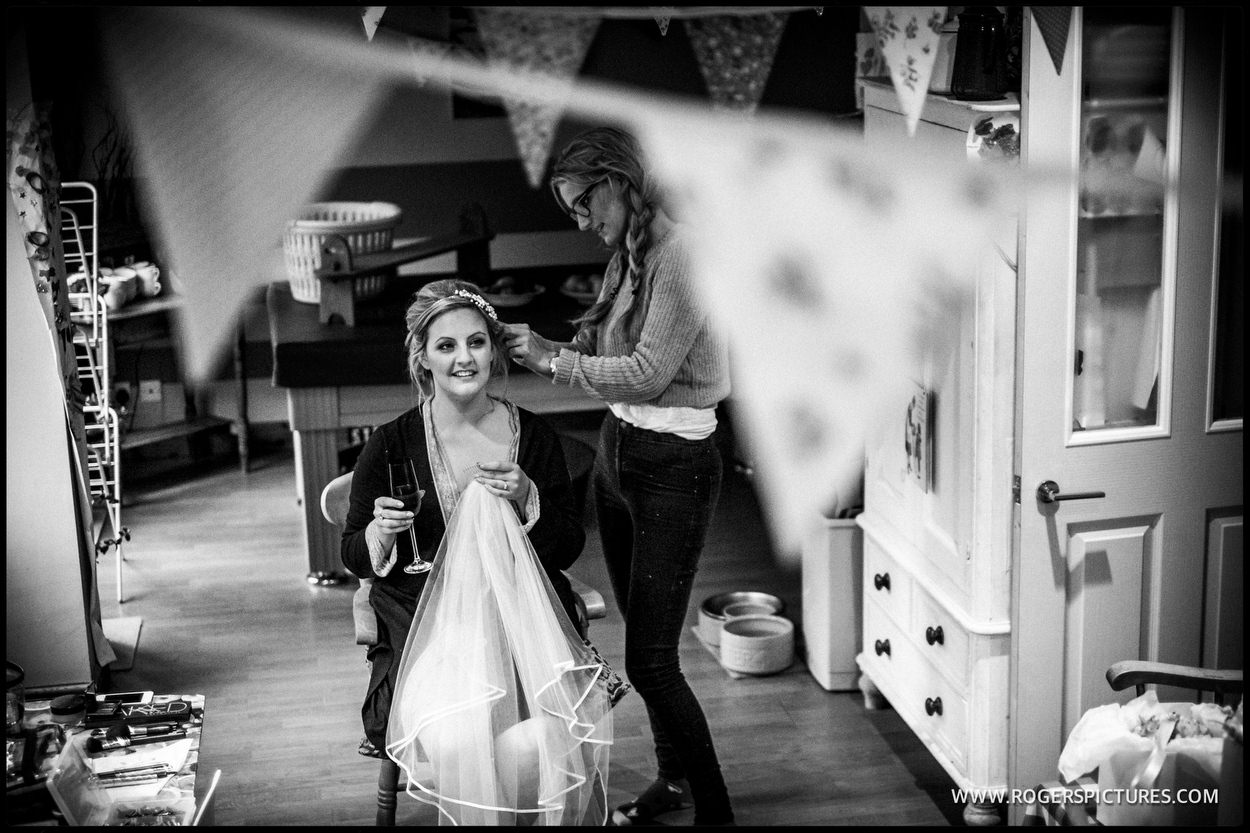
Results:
<point x="881" y="581"/>
<point x="933" y="705"/>
<point x="934" y="636"/>
<point x="882" y="646"/>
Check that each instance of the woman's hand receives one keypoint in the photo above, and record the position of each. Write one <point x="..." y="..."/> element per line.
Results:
<point x="507" y="480"/>
<point x="391" y="518"/>
<point x="529" y="349"/>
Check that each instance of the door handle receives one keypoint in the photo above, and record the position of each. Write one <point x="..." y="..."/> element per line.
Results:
<point x="1048" y="492"/>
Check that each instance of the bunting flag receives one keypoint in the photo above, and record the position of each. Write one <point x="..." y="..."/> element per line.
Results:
<point x="662" y="22"/>
<point x="235" y="130"/>
<point x="551" y="45"/>
<point x="425" y="51"/>
<point x="371" y="16"/>
<point x="1053" y="22"/>
<point x="835" y="267"/>
<point x="735" y="55"/>
<point x="828" y="328"/>
<point x="908" y="39"/>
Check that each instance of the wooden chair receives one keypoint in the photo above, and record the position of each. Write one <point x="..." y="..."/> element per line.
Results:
<point x="1141" y="673"/>
<point x="335" y="498"/>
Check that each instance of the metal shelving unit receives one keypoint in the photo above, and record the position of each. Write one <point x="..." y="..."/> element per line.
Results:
<point x="80" y="238"/>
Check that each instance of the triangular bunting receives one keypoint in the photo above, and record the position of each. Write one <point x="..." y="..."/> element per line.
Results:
<point x="1053" y="22"/>
<point x="735" y="54"/>
<point x="208" y="102"/>
<point x="371" y="16"/>
<point x="759" y="199"/>
<point x="908" y="37"/>
<point x="554" y="45"/>
<point x="422" y="49"/>
<point x="662" y="22"/>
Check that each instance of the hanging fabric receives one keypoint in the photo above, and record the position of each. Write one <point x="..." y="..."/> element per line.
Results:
<point x="735" y="55"/>
<point x="908" y="37"/>
<point x="1053" y="23"/>
<point x="552" y="45"/>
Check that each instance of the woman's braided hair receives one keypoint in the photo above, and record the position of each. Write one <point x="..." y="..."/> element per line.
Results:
<point x="612" y="153"/>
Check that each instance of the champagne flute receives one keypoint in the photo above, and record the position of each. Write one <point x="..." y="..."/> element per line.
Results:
<point x="403" y="479"/>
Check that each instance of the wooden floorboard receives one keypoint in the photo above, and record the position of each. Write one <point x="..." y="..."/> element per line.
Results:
<point x="216" y="566"/>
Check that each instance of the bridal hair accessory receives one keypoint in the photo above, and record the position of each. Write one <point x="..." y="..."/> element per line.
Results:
<point x="479" y="302"/>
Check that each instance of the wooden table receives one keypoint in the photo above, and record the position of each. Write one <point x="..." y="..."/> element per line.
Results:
<point x="338" y="377"/>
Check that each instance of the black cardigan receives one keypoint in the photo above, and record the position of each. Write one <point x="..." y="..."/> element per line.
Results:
<point x="558" y="537"/>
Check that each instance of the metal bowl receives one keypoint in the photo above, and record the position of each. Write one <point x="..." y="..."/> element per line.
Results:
<point x="712" y="611"/>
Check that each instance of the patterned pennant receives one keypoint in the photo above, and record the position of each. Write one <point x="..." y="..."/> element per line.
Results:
<point x="554" y="45"/>
<point x="735" y="54"/>
<point x="908" y="38"/>
<point x="662" y="22"/>
<point x="1053" y="22"/>
<point x="232" y="138"/>
<point x="371" y="16"/>
<point x="828" y="329"/>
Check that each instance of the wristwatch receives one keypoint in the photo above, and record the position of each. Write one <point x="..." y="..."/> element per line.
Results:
<point x="552" y="364"/>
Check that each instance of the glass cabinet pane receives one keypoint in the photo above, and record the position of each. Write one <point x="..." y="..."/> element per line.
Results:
<point x="1120" y="234"/>
<point x="1228" y="382"/>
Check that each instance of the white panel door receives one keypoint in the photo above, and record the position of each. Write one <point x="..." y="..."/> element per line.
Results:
<point x="1115" y="349"/>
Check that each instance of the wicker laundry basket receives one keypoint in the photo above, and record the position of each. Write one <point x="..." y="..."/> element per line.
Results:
<point x="366" y="226"/>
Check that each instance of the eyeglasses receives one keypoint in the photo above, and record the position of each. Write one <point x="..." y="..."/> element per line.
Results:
<point x="580" y="207"/>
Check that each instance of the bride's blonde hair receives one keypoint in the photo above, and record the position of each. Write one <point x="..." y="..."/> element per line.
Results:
<point x="431" y="301"/>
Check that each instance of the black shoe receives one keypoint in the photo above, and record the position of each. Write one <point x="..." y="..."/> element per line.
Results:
<point x="663" y="796"/>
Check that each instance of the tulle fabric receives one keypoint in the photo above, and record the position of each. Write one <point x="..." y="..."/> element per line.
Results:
<point x="498" y="715"/>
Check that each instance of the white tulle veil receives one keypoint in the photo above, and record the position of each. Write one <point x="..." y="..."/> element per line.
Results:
<point x="499" y="715"/>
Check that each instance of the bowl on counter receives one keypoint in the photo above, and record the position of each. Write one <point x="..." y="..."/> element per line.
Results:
<point x="713" y="613"/>
<point x="583" y="298"/>
<point x="513" y="298"/>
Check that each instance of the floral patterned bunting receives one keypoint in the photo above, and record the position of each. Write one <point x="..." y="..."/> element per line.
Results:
<point x="249" y="135"/>
<point x="736" y="55"/>
<point x="371" y="16"/>
<point x="908" y="38"/>
<point x="662" y="22"/>
<point x="549" y="44"/>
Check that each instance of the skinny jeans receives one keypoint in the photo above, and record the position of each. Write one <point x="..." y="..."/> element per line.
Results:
<point x="655" y="494"/>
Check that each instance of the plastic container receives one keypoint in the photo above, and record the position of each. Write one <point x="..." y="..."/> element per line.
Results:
<point x="367" y="227"/>
<point x="69" y="710"/>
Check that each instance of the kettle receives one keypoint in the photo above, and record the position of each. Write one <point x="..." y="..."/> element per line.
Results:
<point x="980" y="72"/>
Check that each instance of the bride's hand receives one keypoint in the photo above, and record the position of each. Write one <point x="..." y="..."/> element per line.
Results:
<point x="390" y="518"/>
<point x="505" y="479"/>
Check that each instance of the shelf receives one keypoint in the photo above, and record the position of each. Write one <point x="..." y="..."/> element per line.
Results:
<point x="173" y="431"/>
<point x="1104" y="105"/>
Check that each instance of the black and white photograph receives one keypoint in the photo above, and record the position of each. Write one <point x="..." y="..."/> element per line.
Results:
<point x="624" y="415"/>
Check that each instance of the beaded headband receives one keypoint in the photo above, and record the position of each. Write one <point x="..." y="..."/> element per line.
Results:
<point x="479" y="302"/>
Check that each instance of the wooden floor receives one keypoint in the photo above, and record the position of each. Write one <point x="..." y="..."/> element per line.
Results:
<point x="216" y="569"/>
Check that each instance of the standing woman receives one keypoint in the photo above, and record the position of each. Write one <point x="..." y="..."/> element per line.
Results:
<point x="646" y="348"/>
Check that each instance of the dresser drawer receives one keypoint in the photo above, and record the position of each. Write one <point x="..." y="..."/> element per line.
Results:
<point x="886" y="584"/>
<point x="887" y="645"/>
<point x="942" y="710"/>
<point x="939" y="638"/>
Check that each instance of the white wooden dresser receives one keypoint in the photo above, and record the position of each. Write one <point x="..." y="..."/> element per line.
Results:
<point x="937" y="553"/>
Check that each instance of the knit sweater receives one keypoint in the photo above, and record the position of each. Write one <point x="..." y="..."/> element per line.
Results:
<point x="665" y="354"/>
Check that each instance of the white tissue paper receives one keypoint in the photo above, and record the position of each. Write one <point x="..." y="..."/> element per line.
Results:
<point x="1150" y="757"/>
